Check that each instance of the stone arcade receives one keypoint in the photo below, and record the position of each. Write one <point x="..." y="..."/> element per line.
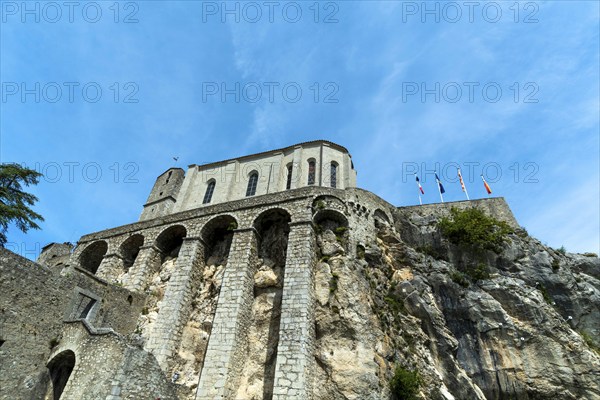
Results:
<point x="210" y="295"/>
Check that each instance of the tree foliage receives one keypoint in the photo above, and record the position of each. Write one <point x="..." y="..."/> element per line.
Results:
<point x="474" y="228"/>
<point x="15" y="204"/>
<point x="405" y="384"/>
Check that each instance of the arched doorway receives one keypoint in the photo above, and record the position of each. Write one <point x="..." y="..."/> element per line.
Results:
<point x="60" y="369"/>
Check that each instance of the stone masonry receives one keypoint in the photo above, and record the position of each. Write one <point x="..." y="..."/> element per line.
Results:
<point x="94" y="344"/>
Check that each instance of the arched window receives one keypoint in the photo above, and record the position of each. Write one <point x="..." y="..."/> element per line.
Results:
<point x="311" y="172"/>
<point x="252" y="182"/>
<point x="209" y="192"/>
<point x="333" y="174"/>
<point x="288" y="184"/>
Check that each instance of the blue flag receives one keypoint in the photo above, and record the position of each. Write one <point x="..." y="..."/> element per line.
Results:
<point x="439" y="183"/>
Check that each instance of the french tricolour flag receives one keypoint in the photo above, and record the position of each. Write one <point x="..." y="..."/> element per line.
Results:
<point x="419" y="183"/>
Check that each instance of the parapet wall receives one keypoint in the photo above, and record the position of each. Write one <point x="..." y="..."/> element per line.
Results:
<point x="496" y="207"/>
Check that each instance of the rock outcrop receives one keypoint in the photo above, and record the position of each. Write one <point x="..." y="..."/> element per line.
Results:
<point x="527" y="330"/>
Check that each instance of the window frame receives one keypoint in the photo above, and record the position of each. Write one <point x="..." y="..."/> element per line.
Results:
<point x="312" y="172"/>
<point x="210" y="190"/>
<point x="252" y="184"/>
<point x="333" y="174"/>
<point x="290" y="171"/>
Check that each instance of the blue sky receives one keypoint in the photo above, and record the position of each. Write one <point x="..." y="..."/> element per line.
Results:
<point x="507" y="89"/>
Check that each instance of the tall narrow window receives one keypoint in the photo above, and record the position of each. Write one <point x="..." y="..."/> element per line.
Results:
<point x="209" y="192"/>
<point x="252" y="182"/>
<point x="311" y="172"/>
<point x="288" y="184"/>
<point x="333" y="177"/>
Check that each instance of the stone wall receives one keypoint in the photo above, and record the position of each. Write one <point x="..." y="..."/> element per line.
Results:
<point x="34" y="303"/>
<point x="122" y="353"/>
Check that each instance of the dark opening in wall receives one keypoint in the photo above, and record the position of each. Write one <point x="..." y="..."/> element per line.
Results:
<point x="273" y="229"/>
<point x="2" y="342"/>
<point x="218" y="234"/>
<point x="130" y="299"/>
<point x="60" y="368"/>
<point x="380" y="219"/>
<point x="130" y="249"/>
<point x="83" y="307"/>
<point x="91" y="257"/>
<point x="170" y="240"/>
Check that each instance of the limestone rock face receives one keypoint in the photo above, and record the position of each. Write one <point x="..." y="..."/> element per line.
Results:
<point x="528" y="331"/>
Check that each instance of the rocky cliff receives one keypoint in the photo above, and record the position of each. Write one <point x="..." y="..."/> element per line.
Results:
<point x="519" y="321"/>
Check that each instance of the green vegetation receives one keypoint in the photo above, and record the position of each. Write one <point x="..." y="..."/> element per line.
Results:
<point x="14" y="202"/>
<point x="481" y="271"/>
<point x="588" y="340"/>
<point x="396" y="305"/>
<point x="340" y="235"/>
<point x="555" y="265"/>
<point x="430" y="251"/>
<point x="474" y="229"/>
<point x="340" y="230"/>
<point x="460" y="278"/>
<point x="232" y="226"/>
<point x="562" y="250"/>
<point x="320" y="204"/>
<point x="590" y="254"/>
<point x="545" y="294"/>
<point x="360" y="252"/>
<point x="522" y="232"/>
<point x="405" y="384"/>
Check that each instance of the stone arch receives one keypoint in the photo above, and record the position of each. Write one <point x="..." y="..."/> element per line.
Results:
<point x="169" y="241"/>
<point x="330" y="219"/>
<point x="328" y="202"/>
<point x="380" y="218"/>
<point x="332" y="230"/>
<point x="130" y="249"/>
<point x="217" y="235"/>
<point x="60" y="368"/>
<point x="92" y="255"/>
<point x="273" y="229"/>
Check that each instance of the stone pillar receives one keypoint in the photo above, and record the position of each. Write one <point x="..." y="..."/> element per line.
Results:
<point x="176" y="304"/>
<point x="110" y="267"/>
<point x="144" y="265"/>
<point x="224" y="356"/>
<point x="295" y="358"/>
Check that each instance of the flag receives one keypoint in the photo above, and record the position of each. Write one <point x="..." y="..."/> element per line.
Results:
<point x="462" y="183"/>
<point x="439" y="183"/>
<point x="419" y="183"/>
<point x="487" y="187"/>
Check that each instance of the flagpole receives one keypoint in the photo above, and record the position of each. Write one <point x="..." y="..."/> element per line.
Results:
<point x="437" y="181"/>
<point x="419" y="186"/>
<point x="462" y="184"/>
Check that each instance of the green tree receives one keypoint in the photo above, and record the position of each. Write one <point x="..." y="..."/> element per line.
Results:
<point x="14" y="202"/>
<point x="474" y="228"/>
